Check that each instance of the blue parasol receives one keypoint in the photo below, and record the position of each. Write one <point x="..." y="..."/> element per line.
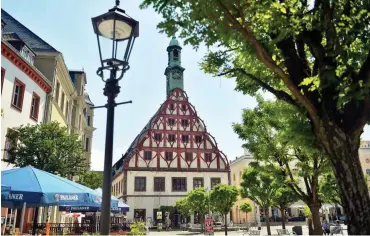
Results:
<point x="39" y="188"/>
<point x="4" y="191"/>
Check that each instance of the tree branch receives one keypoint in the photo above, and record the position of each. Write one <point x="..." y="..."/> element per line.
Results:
<point x="278" y="93"/>
<point x="266" y="58"/>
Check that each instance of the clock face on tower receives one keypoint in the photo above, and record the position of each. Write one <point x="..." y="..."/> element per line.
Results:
<point x="176" y="74"/>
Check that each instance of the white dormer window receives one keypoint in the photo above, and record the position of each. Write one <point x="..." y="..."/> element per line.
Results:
<point x="27" y="54"/>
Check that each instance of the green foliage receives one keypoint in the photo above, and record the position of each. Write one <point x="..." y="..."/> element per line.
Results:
<point x="198" y="200"/>
<point x="246" y="207"/>
<point x="166" y="208"/>
<point x="285" y="197"/>
<point x="222" y="198"/>
<point x="183" y="207"/>
<point x="48" y="147"/>
<point x="279" y="134"/>
<point x="307" y="211"/>
<point x="329" y="191"/>
<point x="260" y="186"/>
<point x="258" y="37"/>
<point x="137" y="228"/>
<point x="91" y="179"/>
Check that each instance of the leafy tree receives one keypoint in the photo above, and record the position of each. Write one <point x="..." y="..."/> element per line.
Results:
<point x="222" y="198"/>
<point x="284" y="198"/>
<point x="261" y="187"/>
<point x="47" y="146"/>
<point x="182" y="205"/>
<point x="314" y="55"/>
<point x="91" y="179"/>
<point x="329" y="192"/>
<point x="198" y="201"/>
<point x="246" y="207"/>
<point x="279" y="134"/>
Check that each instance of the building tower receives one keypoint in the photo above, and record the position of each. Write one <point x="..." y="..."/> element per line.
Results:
<point x="174" y="72"/>
<point x="172" y="155"/>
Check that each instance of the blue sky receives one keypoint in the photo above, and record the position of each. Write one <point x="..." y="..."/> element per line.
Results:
<point x="66" y="25"/>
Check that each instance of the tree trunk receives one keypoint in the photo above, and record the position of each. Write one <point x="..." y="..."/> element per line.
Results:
<point x="343" y="154"/>
<point x="267" y="218"/>
<point x="225" y="224"/>
<point x="246" y="217"/>
<point x="282" y="210"/>
<point x="315" y="211"/>
<point x="310" y="228"/>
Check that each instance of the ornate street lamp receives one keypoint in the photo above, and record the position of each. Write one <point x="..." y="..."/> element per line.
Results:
<point x="117" y="29"/>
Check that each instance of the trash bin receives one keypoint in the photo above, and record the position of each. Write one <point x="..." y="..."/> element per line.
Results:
<point x="297" y="230"/>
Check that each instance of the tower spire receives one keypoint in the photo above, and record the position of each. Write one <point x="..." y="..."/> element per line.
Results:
<point x="174" y="71"/>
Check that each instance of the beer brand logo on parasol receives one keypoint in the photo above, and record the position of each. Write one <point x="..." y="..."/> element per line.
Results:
<point x="15" y="196"/>
<point x="63" y="197"/>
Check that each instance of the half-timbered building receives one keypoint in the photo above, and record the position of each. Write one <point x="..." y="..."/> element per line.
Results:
<point x="171" y="156"/>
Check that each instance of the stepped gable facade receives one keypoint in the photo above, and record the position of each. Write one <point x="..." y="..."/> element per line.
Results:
<point x="172" y="155"/>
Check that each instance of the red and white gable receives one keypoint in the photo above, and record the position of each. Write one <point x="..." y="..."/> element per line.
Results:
<point x="176" y="137"/>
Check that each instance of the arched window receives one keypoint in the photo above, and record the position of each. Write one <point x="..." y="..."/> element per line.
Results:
<point x="175" y="55"/>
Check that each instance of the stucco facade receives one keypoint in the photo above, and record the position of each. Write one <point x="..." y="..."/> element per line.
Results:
<point x="16" y="70"/>
<point x="237" y="167"/>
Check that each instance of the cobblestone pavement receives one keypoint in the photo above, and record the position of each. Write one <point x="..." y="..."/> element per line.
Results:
<point x="233" y="233"/>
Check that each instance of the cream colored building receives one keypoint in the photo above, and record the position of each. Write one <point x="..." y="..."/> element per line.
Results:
<point x="65" y="101"/>
<point x="237" y="167"/>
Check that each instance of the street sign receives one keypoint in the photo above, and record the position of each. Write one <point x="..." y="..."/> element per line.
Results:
<point x="209" y="226"/>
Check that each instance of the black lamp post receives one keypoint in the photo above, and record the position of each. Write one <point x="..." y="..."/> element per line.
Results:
<point x="113" y="28"/>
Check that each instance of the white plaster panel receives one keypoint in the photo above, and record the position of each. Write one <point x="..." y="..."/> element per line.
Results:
<point x="11" y="116"/>
<point x="163" y="198"/>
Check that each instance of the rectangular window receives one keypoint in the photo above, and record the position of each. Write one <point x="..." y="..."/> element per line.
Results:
<point x="171" y="138"/>
<point x="140" y="214"/>
<point x="215" y="181"/>
<point x="88" y="120"/>
<point x="198" y="138"/>
<point x="79" y="122"/>
<point x="171" y="122"/>
<point x="57" y="92"/>
<point x="208" y="157"/>
<point x="184" y="123"/>
<point x="198" y="183"/>
<point x="35" y="104"/>
<point x="62" y="102"/>
<point x="185" y="138"/>
<point x="87" y="140"/>
<point x="158" y="137"/>
<point x="175" y="55"/>
<point x="159" y="184"/>
<point x="171" y="107"/>
<point x="368" y="171"/>
<point x="178" y="184"/>
<point x="188" y="156"/>
<point x="18" y="94"/>
<point x="147" y="155"/>
<point x="183" y="107"/>
<point x="168" y="156"/>
<point x="2" y="78"/>
<point x="140" y="184"/>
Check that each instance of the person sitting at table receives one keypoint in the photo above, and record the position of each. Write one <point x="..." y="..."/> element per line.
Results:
<point x="336" y="229"/>
<point x="325" y="227"/>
